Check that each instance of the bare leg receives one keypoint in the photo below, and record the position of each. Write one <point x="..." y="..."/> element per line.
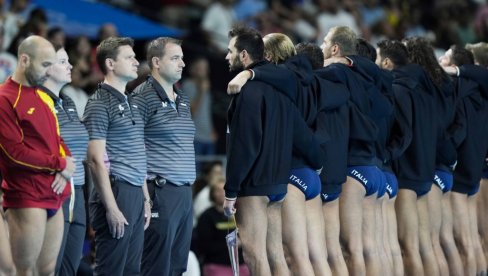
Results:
<point x="383" y="244"/>
<point x="27" y="228"/>
<point x="392" y="233"/>
<point x="274" y="241"/>
<point x="408" y="231"/>
<point x="332" y="230"/>
<point x="447" y="238"/>
<point x="482" y="217"/>
<point x="427" y="254"/>
<point x="252" y="221"/>
<point x="6" y="262"/>
<point x="293" y="213"/>
<point x="475" y="236"/>
<point x="434" y="198"/>
<point x="351" y="218"/>
<point x="370" y="243"/>
<point x="462" y="232"/>
<point x="317" y="246"/>
<point x="53" y="236"/>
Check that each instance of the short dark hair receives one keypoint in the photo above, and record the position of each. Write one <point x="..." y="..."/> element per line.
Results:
<point x="365" y="49"/>
<point x="155" y="48"/>
<point x="250" y="40"/>
<point x="312" y="52"/>
<point x="109" y="48"/>
<point x="461" y="56"/>
<point x="345" y="38"/>
<point x="394" y="50"/>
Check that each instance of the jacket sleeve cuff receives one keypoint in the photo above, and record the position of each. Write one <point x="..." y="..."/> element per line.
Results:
<point x="230" y="195"/>
<point x="62" y="164"/>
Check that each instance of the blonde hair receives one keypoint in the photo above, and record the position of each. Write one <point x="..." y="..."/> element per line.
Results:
<point x="345" y="38"/>
<point x="278" y="47"/>
<point x="480" y="52"/>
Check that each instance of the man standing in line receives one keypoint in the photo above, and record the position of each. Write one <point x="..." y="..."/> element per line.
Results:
<point x="120" y="206"/>
<point x="168" y="133"/>
<point x="34" y="162"/>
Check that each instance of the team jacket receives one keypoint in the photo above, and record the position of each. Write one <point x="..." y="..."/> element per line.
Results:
<point x="472" y="102"/>
<point x="413" y="87"/>
<point x="323" y="105"/>
<point x="362" y="128"/>
<point x="380" y="91"/>
<point x="446" y="149"/>
<point x="32" y="150"/>
<point x="263" y="128"/>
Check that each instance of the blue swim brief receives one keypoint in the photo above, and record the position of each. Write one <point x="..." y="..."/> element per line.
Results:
<point x="368" y="176"/>
<point x="276" y="198"/>
<point x="444" y="180"/>
<point x="391" y="184"/>
<point x="307" y="181"/>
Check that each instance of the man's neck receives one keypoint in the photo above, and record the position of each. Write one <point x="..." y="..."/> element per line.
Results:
<point x="116" y="83"/>
<point x="20" y="78"/>
<point x="53" y="87"/>
<point x="247" y="63"/>
<point x="167" y="86"/>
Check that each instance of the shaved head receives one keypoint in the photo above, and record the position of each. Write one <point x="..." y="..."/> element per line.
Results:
<point x="35" y="55"/>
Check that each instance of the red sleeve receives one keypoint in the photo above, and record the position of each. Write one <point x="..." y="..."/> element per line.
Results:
<point x="15" y="152"/>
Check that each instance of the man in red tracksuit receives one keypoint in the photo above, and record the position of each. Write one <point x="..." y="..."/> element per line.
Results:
<point x="34" y="162"/>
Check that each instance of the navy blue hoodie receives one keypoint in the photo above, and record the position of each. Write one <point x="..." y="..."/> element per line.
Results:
<point x="263" y="128"/>
<point x="472" y="100"/>
<point x="417" y="164"/>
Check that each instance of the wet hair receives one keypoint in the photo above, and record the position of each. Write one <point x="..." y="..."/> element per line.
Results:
<point x="109" y="48"/>
<point x="480" y="52"/>
<point x="421" y="52"/>
<point x="365" y="49"/>
<point x="250" y="40"/>
<point x="312" y="52"/>
<point x="156" y="47"/>
<point x="279" y="47"/>
<point x="345" y="38"/>
<point x="394" y="50"/>
<point x="461" y="56"/>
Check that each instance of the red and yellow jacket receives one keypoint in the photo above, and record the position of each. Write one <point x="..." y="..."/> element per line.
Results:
<point x="31" y="148"/>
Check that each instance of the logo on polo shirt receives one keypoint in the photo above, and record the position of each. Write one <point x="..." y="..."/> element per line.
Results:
<point x="155" y="215"/>
<point x="31" y="110"/>
<point x="164" y="104"/>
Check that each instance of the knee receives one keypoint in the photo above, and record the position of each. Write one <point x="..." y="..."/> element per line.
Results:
<point x="8" y="271"/>
<point x="370" y="250"/>
<point x="47" y="269"/>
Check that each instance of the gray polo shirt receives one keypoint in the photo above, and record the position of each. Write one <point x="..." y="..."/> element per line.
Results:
<point x="108" y="116"/>
<point x="169" y="132"/>
<point x="73" y="132"/>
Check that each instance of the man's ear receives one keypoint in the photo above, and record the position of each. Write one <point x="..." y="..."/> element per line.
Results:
<point x="25" y="60"/>
<point x="109" y="63"/>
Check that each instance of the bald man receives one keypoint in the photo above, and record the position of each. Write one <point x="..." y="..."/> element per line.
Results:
<point x="34" y="162"/>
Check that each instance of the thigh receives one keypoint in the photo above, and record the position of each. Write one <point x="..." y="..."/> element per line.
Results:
<point x="351" y="209"/>
<point x="407" y="218"/>
<point x="316" y="229"/>
<point x="52" y="240"/>
<point x="252" y="221"/>
<point x="332" y="226"/>
<point x="460" y="214"/>
<point x="293" y="219"/>
<point x="27" y="228"/>
<point x="434" y="201"/>
<point x="6" y="261"/>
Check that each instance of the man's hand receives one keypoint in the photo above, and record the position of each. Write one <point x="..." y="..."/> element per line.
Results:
<point x="116" y="222"/>
<point x="147" y="214"/>
<point x="59" y="183"/>
<point x="450" y="70"/>
<point x="236" y="84"/>
<point x="70" y="167"/>
<point x="331" y="60"/>
<point x="229" y="209"/>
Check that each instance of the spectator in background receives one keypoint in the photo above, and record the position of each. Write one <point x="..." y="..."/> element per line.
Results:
<point x="333" y="14"/>
<point x="197" y="87"/>
<point x="8" y="62"/>
<point x="13" y="21"/>
<point x="211" y="229"/>
<point x="83" y="76"/>
<point x="211" y="172"/>
<point x="217" y="22"/>
<point x="36" y="24"/>
<point x="56" y="36"/>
